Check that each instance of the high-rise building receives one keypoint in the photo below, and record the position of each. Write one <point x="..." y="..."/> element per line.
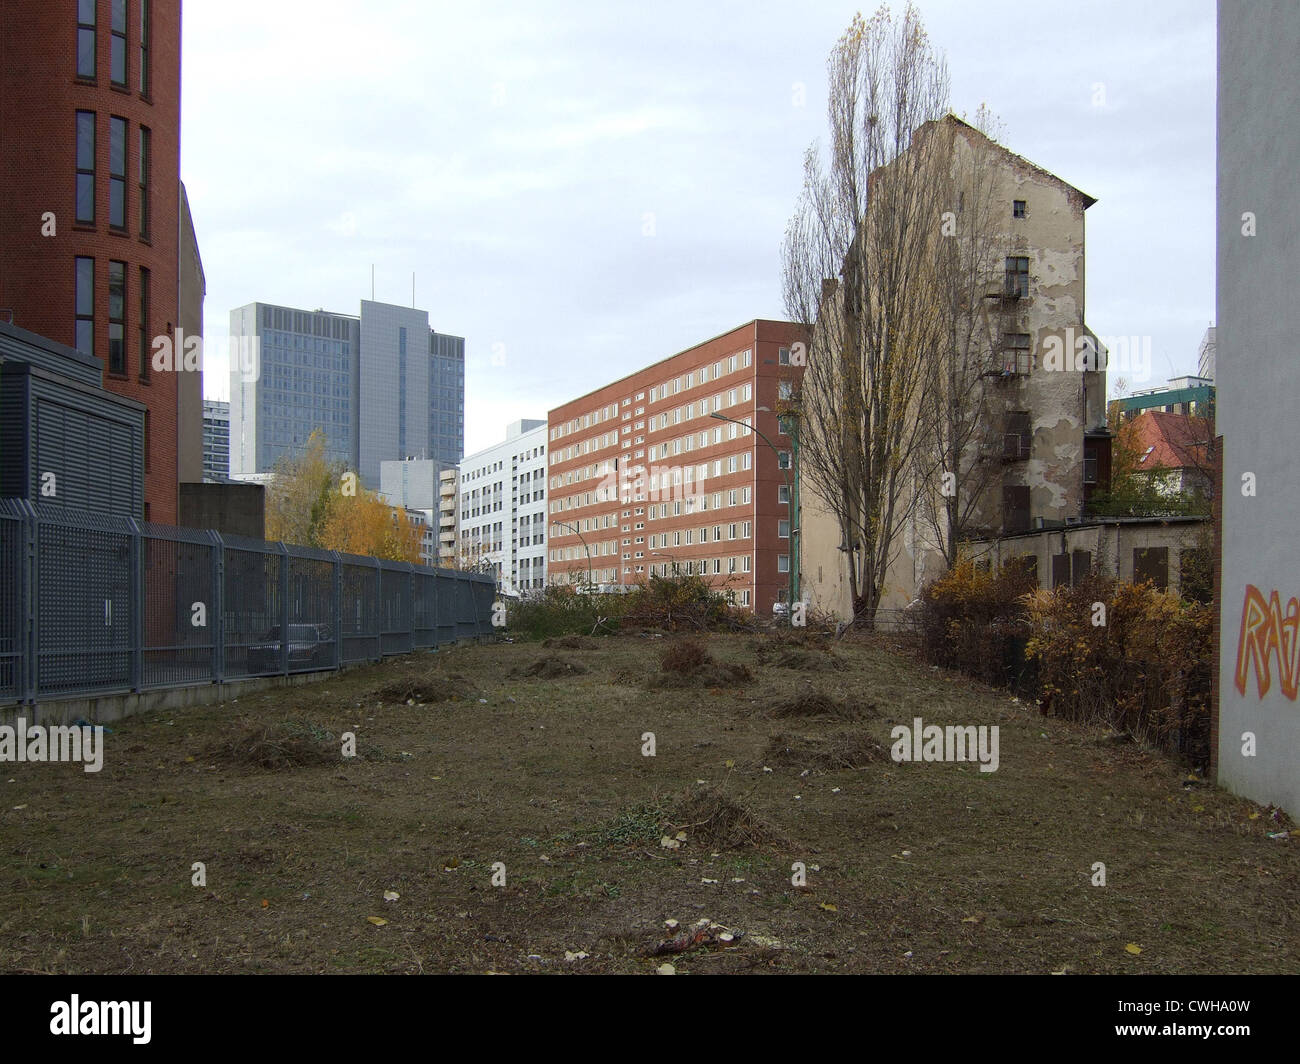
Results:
<point x="502" y="511"/>
<point x="292" y="371"/>
<point x="662" y="473"/>
<point x="216" y="440"/>
<point x="89" y="214"/>
<point x="381" y="385"/>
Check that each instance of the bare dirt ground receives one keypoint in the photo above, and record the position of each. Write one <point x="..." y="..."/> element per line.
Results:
<point x="531" y="756"/>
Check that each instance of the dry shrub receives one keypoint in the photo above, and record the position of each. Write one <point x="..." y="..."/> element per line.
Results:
<point x="719" y="822"/>
<point x="844" y="749"/>
<point x="1144" y="672"/>
<point x="976" y="622"/>
<point x="278" y="745"/>
<point x="683" y="655"/>
<point x="809" y="702"/>
<point x="550" y="669"/>
<point x="427" y="688"/>
<point x="687" y="663"/>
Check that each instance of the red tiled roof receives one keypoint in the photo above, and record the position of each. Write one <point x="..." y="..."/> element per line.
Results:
<point x="1174" y="441"/>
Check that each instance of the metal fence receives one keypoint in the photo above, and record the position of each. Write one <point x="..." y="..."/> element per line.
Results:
<point x="91" y="604"/>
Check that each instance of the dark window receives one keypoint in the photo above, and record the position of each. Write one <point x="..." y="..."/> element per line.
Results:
<point x="1017" y="276"/>
<point x="144" y="182"/>
<point x="85" y="299"/>
<point x="85" y="38"/>
<point x="1060" y="570"/>
<point x="145" y="349"/>
<point x="144" y="47"/>
<point x="117" y="44"/>
<point x="1151" y="563"/>
<point x="1015" y="508"/>
<point x="1018" y="208"/>
<point x="117" y="172"/>
<point x="1017" y="437"/>
<point x="117" y="317"/>
<point x="1017" y="354"/>
<point x="1080" y="566"/>
<point x="86" y="167"/>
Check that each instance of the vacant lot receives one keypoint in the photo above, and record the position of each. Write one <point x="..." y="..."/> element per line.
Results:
<point x="532" y="757"/>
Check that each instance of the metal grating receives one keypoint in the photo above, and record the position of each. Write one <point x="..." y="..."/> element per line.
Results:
<point x="96" y="604"/>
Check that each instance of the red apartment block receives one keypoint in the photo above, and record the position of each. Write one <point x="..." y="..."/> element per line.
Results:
<point x="642" y="480"/>
<point x="90" y="196"/>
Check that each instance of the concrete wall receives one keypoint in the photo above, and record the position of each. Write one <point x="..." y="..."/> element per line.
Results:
<point x="1258" y="320"/>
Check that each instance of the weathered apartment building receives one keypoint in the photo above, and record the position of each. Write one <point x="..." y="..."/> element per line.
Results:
<point x="663" y="473"/>
<point x="1044" y="389"/>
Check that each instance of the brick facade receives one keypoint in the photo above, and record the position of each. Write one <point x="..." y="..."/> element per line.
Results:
<point x="40" y="95"/>
<point x="614" y="467"/>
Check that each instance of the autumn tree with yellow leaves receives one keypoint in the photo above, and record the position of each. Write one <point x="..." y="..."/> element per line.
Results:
<point x="314" y="502"/>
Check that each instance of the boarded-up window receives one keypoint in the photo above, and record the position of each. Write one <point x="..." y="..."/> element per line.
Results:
<point x="1017" y="436"/>
<point x="1196" y="575"/>
<point x="1080" y="566"/>
<point x="1151" y="563"/>
<point x="1060" y="570"/>
<point x="1015" y="508"/>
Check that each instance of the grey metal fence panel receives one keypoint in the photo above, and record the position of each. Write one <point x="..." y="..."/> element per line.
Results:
<point x="466" y="628"/>
<point x="359" y="615"/>
<point x="252" y="607"/>
<point x="97" y="604"/>
<point x="312" y="642"/>
<point x="445" y="607"/>
<point x="180" y="606"/>
<point x="424" y="616"/>
<point x="396" y="582"/>
<point x="14" y="608"/>
<point x="86" y="609"/>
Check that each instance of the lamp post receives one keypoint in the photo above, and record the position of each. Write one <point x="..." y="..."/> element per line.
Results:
<point x="790" y="492"/>
<point x="584" y="547"/>
<point x="664" y="554"/>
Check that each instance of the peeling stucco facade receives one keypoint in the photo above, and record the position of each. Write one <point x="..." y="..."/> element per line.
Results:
<point x="1061" y="388"/>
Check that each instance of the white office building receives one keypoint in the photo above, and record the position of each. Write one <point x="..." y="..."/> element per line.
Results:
<point x="501" y="524"/>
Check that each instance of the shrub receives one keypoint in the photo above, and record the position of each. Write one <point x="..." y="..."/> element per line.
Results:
<point x="1144" y="670"/>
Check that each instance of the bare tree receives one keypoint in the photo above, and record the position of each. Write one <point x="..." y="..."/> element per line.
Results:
<point x="960" y="417"/>
<point x="870" y="217"/>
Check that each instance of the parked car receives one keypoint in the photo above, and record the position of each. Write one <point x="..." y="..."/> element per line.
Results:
<point x="311" y="646"/>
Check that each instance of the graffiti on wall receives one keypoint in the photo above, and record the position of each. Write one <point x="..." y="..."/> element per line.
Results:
<point x="1268" y="633"/>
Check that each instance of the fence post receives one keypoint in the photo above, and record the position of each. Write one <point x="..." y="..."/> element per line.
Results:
<point x="284" y="608"/>
<point x="217" y="613"/>
<point x="337" y="562"/>
<point x="135" y="594"/>
<point x="27" y="561"/>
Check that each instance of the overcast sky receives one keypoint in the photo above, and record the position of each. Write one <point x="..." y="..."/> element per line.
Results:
<point x="583" y="189"/>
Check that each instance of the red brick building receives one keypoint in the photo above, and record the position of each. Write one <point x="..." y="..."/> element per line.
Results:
<point x="643" y="479"/>
<point x="90" y="196"/>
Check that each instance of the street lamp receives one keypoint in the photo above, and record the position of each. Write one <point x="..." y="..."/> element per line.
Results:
<point x="790" y="492"/>
<point x="584" y="547"/>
